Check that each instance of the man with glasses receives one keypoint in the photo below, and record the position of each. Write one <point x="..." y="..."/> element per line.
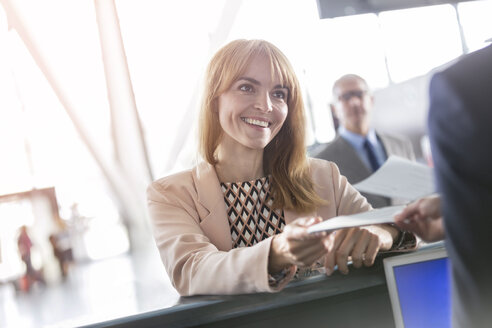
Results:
<point x="358" y="149"/>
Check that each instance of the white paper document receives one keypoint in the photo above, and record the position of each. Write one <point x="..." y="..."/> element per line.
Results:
<point x="399" y="178"/>
<point x="377" y="216"/>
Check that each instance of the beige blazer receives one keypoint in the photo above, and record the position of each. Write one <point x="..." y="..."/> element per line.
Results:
<point x="192" y="233"/>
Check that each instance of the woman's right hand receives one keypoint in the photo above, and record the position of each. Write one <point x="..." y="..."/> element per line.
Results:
<point x="295" y="246"/>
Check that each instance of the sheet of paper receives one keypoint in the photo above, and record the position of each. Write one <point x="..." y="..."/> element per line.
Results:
<point x="377" y="216"/>
<point x="399" y="178"/>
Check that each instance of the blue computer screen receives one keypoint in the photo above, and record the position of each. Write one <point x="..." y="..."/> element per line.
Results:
<point x="424" y="293"/>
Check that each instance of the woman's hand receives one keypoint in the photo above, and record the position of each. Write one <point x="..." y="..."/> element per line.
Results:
<point x="362" y="244"/>
<point x="295" y="246"/>
<point x="423" y="217"/>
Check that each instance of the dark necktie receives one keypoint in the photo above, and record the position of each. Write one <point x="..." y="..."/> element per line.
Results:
<point x="371" y="154"/>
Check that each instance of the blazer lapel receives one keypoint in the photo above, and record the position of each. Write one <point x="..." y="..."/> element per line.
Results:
<point x="382" y="140"/>
<point x="213" y="218"/>
<point x="351" y="165"/>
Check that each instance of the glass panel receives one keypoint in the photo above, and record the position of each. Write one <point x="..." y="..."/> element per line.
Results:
<point x="420" y="39"/>
<point x="167" y="46"/>
<point x="476" y="20"/>
<point x="341" y="46"/>
<point x="38" y="142"/>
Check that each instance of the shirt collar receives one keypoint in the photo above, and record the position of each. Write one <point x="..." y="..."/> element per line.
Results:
<point x="356" y="140"/>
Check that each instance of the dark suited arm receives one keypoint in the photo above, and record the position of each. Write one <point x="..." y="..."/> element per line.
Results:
<point x="460" y="127"/>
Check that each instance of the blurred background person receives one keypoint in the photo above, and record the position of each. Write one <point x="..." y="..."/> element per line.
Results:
<point x="358" y="150"/>
<point x="62" y="249"/>
<point x="31" y="275"/>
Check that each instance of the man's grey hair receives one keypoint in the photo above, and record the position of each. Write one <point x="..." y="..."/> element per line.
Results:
<point x="345" y="78"/>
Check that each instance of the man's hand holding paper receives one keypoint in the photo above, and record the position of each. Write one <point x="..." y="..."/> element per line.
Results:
<point x="398" y="177"/>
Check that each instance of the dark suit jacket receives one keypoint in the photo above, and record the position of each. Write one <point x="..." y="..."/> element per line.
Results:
<point x="353" y="168"/>
<point x="460" y="128"/>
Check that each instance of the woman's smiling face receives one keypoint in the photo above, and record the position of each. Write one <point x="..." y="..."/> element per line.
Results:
<point x="254" y="108"/>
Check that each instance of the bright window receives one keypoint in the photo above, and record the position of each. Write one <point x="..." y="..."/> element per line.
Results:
<point x="419" y="39"/>
<point x="340" y="46"/>
<point x="476" y="19"/>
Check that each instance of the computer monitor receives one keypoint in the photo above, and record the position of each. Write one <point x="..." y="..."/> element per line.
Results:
<point x="419" y="288"/>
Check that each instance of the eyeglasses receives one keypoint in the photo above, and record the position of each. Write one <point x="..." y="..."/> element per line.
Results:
<point x="354" y="93"/>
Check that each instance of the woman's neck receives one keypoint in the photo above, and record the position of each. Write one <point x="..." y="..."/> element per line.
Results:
<point x="238" y="164"/>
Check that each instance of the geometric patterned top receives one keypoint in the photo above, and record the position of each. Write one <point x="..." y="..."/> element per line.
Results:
<point x="248" y="206"/>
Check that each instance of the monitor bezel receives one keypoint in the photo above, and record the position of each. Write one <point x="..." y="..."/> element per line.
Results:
<point x="391" y="262"/>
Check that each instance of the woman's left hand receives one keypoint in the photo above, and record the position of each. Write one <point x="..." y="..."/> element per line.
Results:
<point x="361" y="244"/>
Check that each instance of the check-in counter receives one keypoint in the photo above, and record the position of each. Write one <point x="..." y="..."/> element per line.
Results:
<point x="359" y="299"/>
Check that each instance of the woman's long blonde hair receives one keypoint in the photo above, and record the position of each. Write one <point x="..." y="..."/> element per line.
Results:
<point x="284" y="157"/>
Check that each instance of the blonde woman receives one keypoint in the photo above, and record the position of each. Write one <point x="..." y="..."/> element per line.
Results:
<point x="236" y="223"/>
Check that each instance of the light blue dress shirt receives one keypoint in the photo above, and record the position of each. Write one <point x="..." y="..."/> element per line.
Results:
<point x="357" y="141"/>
